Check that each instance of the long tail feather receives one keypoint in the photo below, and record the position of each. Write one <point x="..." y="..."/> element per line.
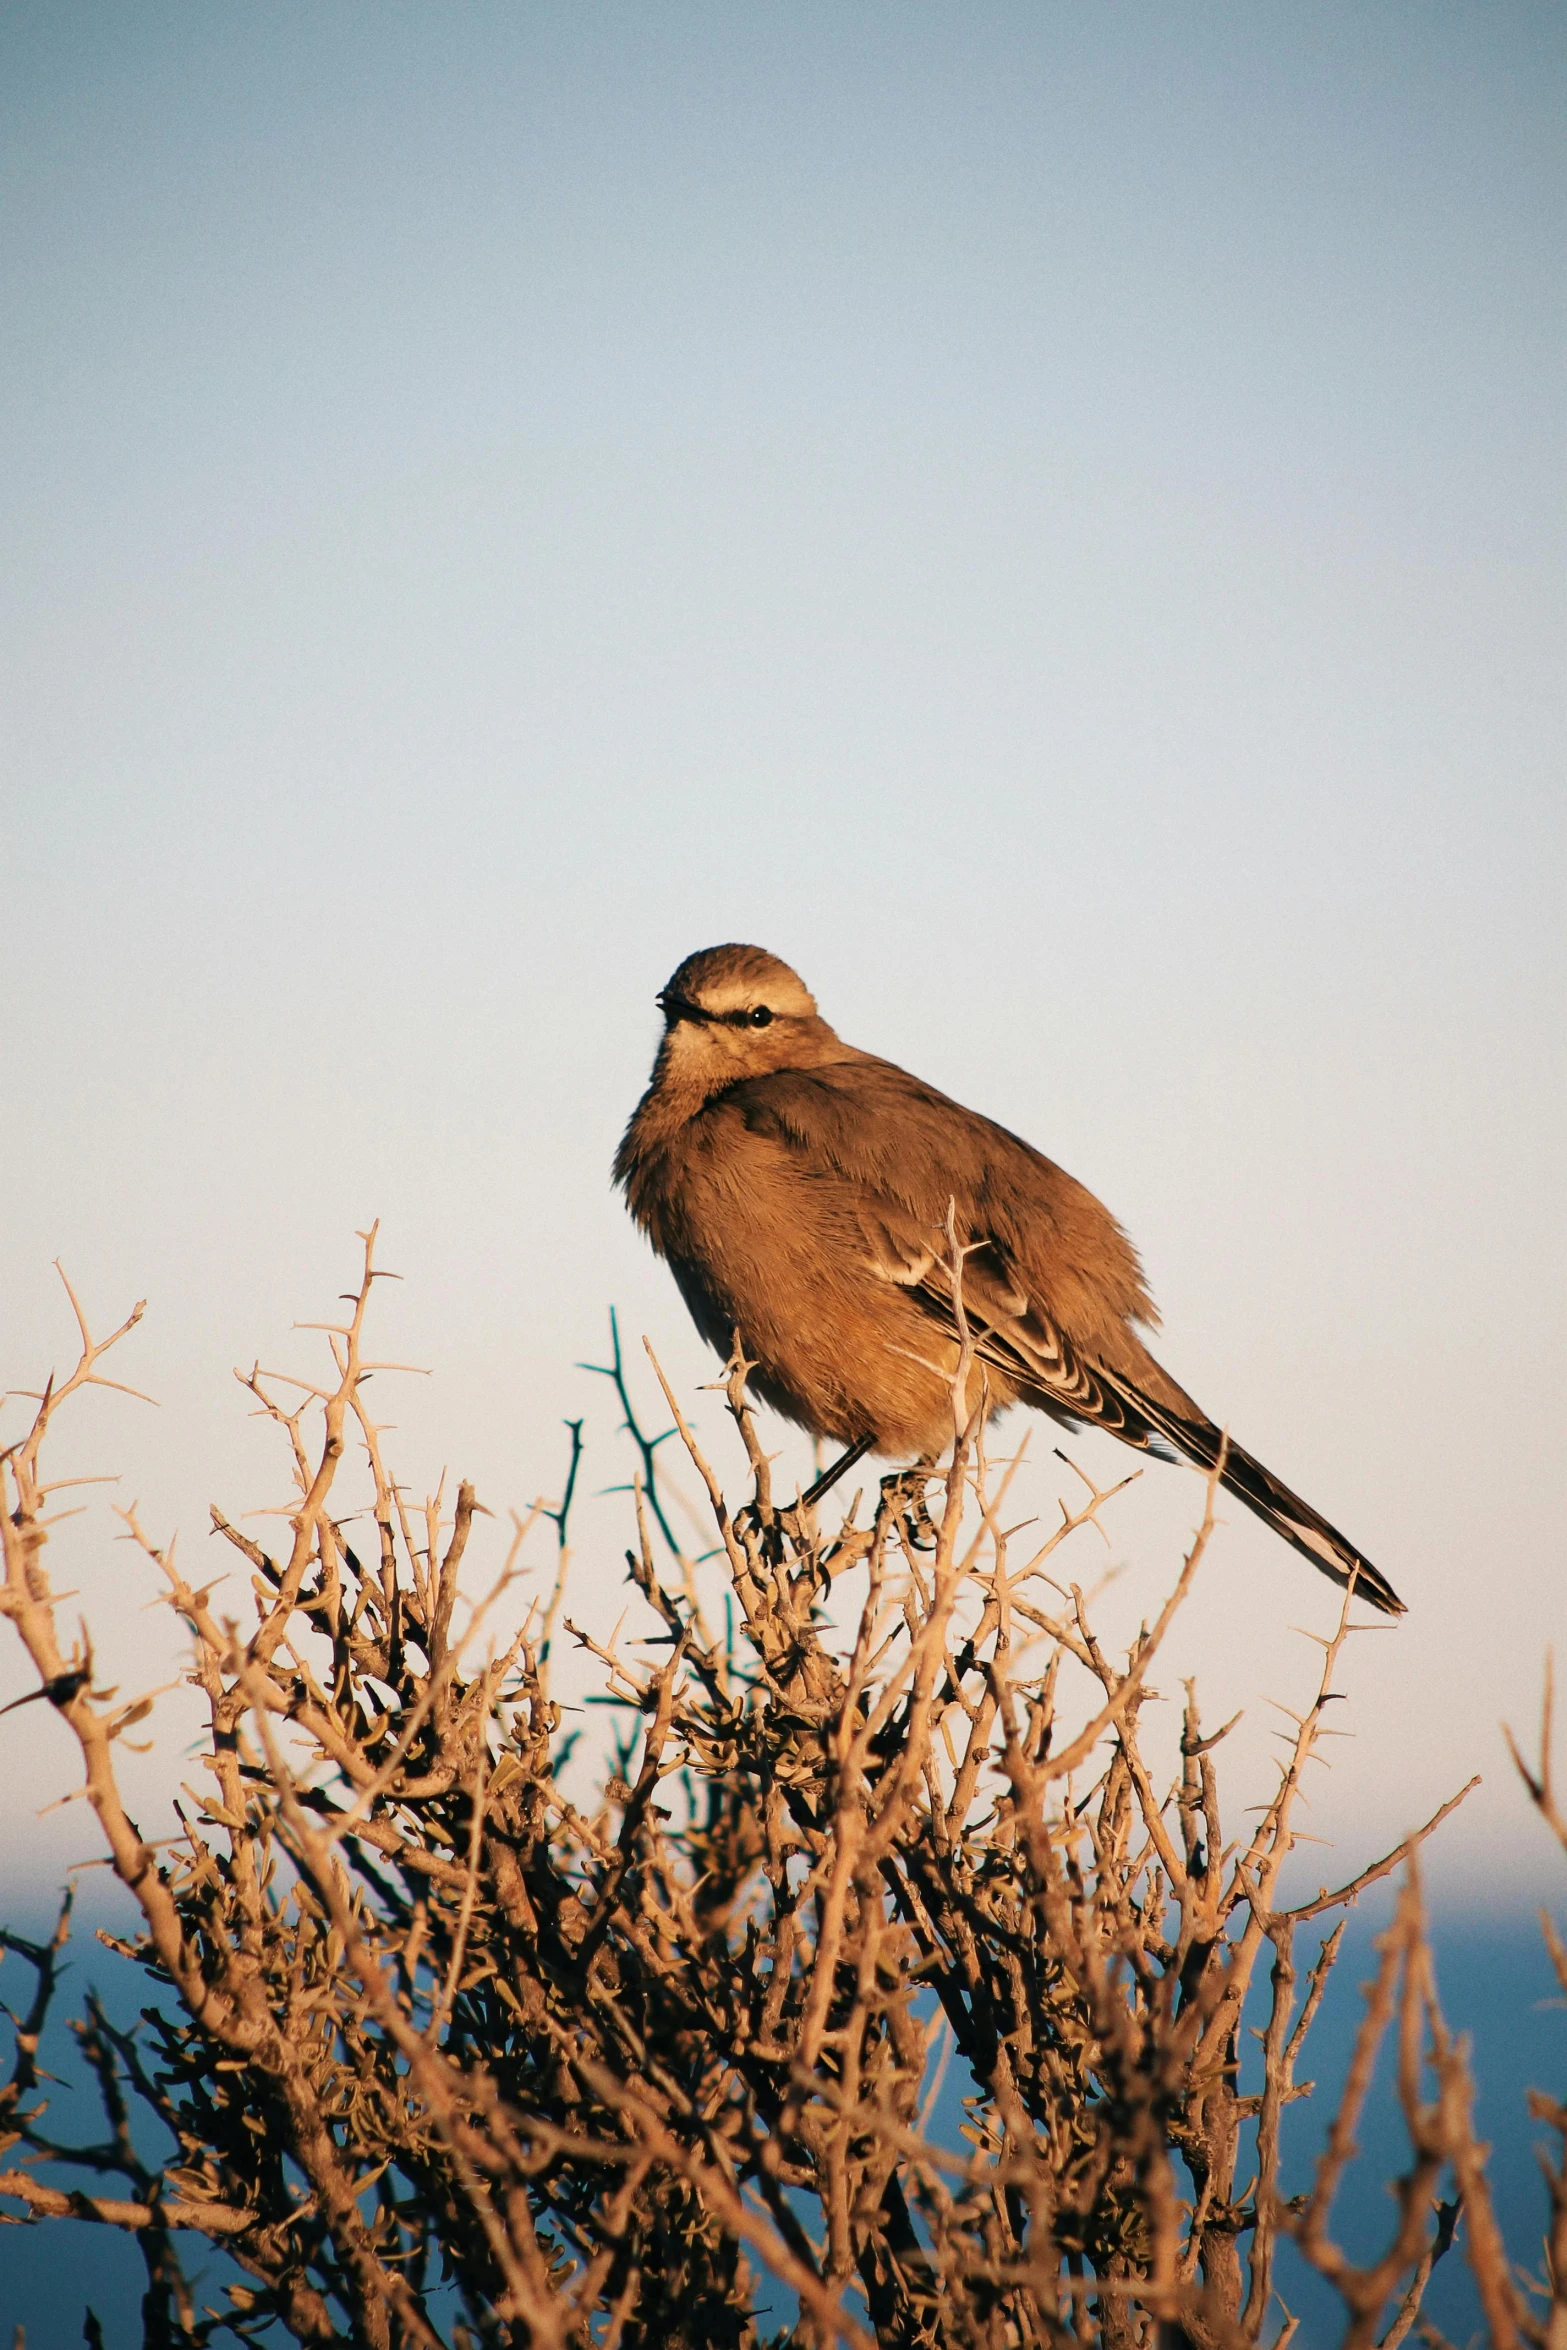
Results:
<point x="1076" y="1387"/>
<point x="1244" y="1476"/>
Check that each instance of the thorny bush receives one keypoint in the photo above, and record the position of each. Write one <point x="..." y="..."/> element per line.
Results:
<point x="447" y="2058"/>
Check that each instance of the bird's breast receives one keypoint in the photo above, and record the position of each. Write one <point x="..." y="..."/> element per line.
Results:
<point x="770" y="1245"/>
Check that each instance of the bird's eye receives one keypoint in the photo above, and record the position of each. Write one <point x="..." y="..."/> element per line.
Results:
<point x="761" y="1017"/>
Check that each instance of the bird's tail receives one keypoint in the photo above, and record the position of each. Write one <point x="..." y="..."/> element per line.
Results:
<point x="1300" y="1525"/>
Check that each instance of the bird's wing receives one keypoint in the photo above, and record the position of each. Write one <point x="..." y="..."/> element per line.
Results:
<point x="1051" y="1287"/>
<point x="1013" y="1332"/>
<point x="1007" y="1327"/>
<point x="889" y="1137"/>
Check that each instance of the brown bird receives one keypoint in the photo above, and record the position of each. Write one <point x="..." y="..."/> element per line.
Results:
<point x="799" y="1188"/>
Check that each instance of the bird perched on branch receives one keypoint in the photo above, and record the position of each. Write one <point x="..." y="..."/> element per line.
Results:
<point x="799" y="1190"/>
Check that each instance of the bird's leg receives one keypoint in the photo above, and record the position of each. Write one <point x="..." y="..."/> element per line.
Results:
<point x="829" y="1477"/>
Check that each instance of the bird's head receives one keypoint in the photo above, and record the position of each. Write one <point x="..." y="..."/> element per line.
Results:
<point x="733" y="1012"/>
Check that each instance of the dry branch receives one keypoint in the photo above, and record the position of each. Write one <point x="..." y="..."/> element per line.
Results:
<point x="423" y="2036"/>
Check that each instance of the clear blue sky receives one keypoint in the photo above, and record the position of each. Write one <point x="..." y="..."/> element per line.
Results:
<point x="1049" y="518"/>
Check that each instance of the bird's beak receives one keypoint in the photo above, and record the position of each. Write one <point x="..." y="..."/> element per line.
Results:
<point x="677" y="1007"/>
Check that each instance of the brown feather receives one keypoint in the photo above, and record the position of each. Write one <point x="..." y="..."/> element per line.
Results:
<point x="799" y="1190"/>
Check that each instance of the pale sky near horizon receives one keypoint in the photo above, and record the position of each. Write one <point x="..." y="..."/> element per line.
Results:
<point x="1052" y="520"/>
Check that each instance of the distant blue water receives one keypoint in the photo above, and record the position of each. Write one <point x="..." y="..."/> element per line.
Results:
<point x="1495" y="1982"/>
<point x="1497" y="1986"/>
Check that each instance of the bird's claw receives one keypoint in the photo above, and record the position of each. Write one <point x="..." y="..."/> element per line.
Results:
<point x="903" y="1493"/>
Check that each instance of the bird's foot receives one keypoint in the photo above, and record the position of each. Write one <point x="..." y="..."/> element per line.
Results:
<point x="903" y="1494"/>
<point x="758" y="1530"/>
<point x="783" y="1536"/>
